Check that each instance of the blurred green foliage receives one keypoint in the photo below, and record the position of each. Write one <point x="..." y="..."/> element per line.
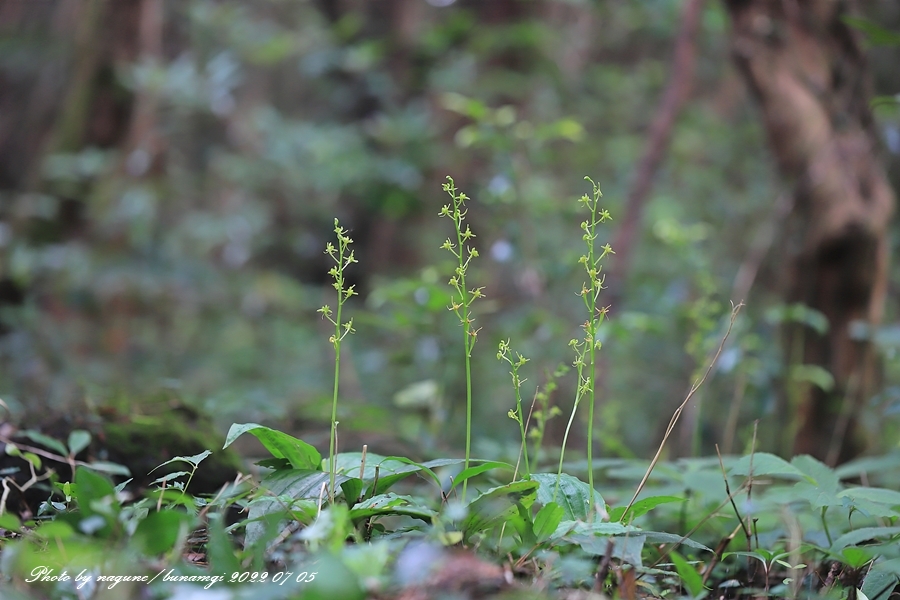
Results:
<point x="194" y="261"/>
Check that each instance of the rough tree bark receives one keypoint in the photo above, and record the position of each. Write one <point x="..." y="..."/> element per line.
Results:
<point x="804" y="66"/>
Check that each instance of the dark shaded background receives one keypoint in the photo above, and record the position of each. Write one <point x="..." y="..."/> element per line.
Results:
<point x="170" y="171"/>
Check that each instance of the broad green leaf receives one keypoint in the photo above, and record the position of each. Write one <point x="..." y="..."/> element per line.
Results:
<point x="871" y="465"/>
<point x="470" y="107"/>
<point x="330" y="529"/>
<point x="299" y="483"/>
<point x="816" y="496"/>
<point x="499" y="505"/>
<point x="856" y="556"/>
<point x="109" y="467"/>
<point x="547" y="520"/>
<point x="34" y="459"/>
<point x="881" y="579"/>
<point x="281" y="445"/>
<point x="869" y="508"/>
<point x="622" y="541"/>
<point x="289" y="484"/>
<point x="352" y="489"/>
<point x="660" y="537"/>
<point x="333" y="580"/>
<point x="91" y="487"/>
<point x="54" y="529"/>
<point x="692" y="580"/>
<point x="219" y="550"/>
<point x="861" y="535"/>
<point x="96" y="498"/>
<point x="799" y="313"/>
<point x="641" y="507"/>
<point x="598" y="528"/>
<point x="173" y="496"/>
<point x="389" y="470"/>
<point x="392" y="504"/>
<point x="878" y="495"/>
<point x="46" y="441"/>
<point x="10" y="522"/>
<point x="824" y="477"/>
<point x="628" y="549"/>
<point x="813" y="374"/>
<point x="764" y="463"/>
<point x="477" y="470"/>
<point x="368" y="561"/>
<point x="274" y="463"/>
<point x="79" y="439"/>
<point x="572" y="494"/>
<point x="443" y="462"/>
<point x="159" y="531"/>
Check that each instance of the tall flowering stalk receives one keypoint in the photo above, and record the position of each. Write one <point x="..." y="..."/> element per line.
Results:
<point x="586" y="348"/>
<point x="343" y="258"/>
<point x="462" y="298"/>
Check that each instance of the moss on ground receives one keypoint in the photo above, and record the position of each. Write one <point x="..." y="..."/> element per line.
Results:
<point x="144" y="434"/>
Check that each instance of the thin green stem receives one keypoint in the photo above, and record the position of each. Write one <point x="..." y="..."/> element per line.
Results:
<point x="579" y="393"/>
<point x="590" y="426"/>
<point x="468" y="342"/>
<point x="522" y="426"/>
<point x="825" y="525"/>
<point x="468" y="411"/>
<point x="332" y="450"/>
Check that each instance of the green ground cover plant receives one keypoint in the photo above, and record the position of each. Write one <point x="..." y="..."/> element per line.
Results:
<point x="357" y="524"/>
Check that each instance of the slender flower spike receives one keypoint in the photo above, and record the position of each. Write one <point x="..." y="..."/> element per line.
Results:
<point x="343" y="257"/>
<point x="585" y="349"/>
<point x="463" y="297"/>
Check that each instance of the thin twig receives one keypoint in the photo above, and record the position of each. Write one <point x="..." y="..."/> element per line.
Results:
<point x="603" y="569"/>
<point x="717" y="553"/>
<point x="750" y="477"/>
<point x="321" y="497"/>
<point x="737" y="513"/>
<point x="69" y="460"/>
<point x="696" y="527"/>
<point x="291" y="528"/>
<point x="238" y="479"/>
<point x="34" y="479"/>
<point x="734" y="313"/>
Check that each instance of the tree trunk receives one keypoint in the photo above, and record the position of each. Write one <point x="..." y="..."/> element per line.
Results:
<point x="805" y="68"/>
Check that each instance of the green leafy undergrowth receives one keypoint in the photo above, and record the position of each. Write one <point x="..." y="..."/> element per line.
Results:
<point x="764" y="526"/>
